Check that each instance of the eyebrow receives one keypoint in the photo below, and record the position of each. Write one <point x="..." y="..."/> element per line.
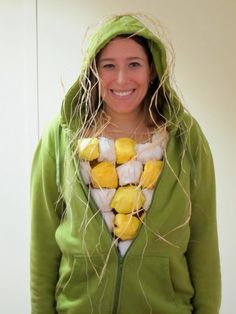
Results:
<point x="113" y="59"/>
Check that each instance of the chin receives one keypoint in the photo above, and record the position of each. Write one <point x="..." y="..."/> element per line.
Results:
<point x="123" y="108"/>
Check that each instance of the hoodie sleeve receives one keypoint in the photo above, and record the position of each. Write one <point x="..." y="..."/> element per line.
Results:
<point x="45" y="217"/>
<point x="203" y="253"/>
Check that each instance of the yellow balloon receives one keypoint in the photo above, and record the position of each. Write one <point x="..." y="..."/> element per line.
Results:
<point x="104" y="175"/>
<point x="125" y="149"/>
<point x="126" y="226"/>
<point x="151" y="172"/>
<point x="88" y="148"/>
<point x="127" y="199"/>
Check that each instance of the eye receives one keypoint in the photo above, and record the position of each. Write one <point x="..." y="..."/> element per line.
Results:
<point x="134" y="64"/>
<point x="108" y="66"/>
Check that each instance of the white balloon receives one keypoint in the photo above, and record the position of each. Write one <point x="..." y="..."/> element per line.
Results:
<point x="148" y="198"/>
<point x="123" y="246"/>
<point x="109" y="219"/>
<point x="149" y="151"/>
<point x="103" y="198"/>
<point x="106" y="149"/>
<point x="129" y="172"/>
<point x="85" y="170"/>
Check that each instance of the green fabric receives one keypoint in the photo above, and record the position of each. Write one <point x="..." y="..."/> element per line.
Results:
<point x="70" y="242"/>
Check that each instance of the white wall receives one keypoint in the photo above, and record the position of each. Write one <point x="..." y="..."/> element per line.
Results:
<point x="41" y="46"/>
<point x="18" y="136"/>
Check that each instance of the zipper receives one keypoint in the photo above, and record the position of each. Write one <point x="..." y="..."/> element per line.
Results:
<point x="118" y="284"/>
<point x="121" y="259"/>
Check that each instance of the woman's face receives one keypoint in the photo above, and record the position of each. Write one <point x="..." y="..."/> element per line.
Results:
<point x="124" y="74"/>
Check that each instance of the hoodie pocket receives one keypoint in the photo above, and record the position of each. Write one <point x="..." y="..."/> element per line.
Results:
<point x="82" y="270"/>
<point x="151" y="281"/>
<point x="158" y="270"/>
<point x="82" y="289"/>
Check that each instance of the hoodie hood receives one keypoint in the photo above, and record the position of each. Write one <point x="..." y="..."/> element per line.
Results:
<point x="117" y="25"/>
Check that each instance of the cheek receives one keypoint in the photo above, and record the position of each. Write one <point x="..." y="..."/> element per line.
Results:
<point x="104" y="81"/>
<point x="144" y="84"/>
<point x="143" y="80"/>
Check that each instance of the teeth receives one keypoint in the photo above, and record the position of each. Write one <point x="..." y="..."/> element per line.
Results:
<point x="123" y="93"/>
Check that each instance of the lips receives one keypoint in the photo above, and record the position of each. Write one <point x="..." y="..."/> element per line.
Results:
<point x="123" y="93"/>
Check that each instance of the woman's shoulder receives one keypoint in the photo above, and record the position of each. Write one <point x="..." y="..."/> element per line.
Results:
<point x="192" y="128"/>
<point x="197" y="143"/>
<point x="51" y="136"/>
<point x="52" y="127"/>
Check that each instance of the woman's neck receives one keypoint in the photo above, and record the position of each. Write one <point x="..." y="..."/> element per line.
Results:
<point x="128" y="125"/>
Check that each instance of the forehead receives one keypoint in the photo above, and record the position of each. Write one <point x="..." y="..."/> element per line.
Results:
<point x="122" y="48"/>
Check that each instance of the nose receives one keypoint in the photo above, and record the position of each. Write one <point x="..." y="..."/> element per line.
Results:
<point x="121" y="76"/>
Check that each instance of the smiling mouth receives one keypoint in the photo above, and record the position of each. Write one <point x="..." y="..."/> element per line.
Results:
<point x="122" y="93"/>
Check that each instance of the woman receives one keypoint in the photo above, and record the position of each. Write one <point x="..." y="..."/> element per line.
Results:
<point x="123" y="193"/>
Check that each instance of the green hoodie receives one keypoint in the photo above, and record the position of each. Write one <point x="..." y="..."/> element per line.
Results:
<point x="172" y="266"/>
